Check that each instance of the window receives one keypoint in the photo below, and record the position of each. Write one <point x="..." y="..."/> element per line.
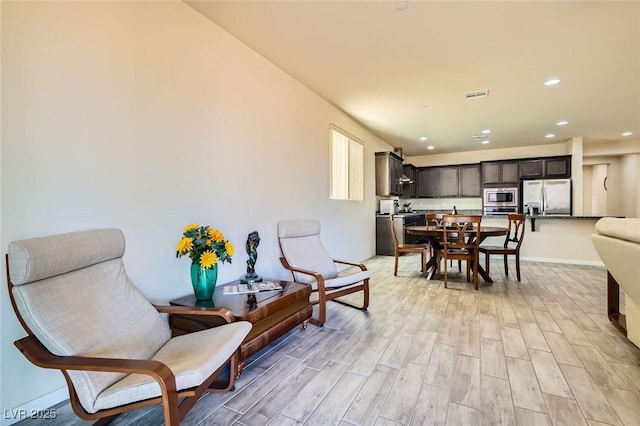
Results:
<point x="347" y="169"/>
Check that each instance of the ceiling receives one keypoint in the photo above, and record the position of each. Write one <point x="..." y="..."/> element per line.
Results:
<point x="403" y="74"/>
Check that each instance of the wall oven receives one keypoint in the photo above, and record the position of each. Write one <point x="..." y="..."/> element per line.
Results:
<point x="500" y="200"/>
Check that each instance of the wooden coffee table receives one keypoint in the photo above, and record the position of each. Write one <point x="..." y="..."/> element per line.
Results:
<point x="274" y="314"/>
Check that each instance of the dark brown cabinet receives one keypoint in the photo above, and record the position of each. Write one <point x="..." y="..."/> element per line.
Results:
<point x="470" y="185"/>
<point x="544" y="168"/>
<point x="531" y="169"/>
<point x="557" y="167"/>
<point x="427" y="182"/>
<point x="388" y="174"/>
<point x="447" y="182"/>
<point x="499" y="172"/>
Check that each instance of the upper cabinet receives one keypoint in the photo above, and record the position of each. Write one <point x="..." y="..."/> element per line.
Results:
<point x="448" y="181"/>
<point x="427" y="182"/>
<point x="388" y="174"/>
<point x="470" y="185"/>
<point x="544" y="168"/>
<point x="499" y="172"/>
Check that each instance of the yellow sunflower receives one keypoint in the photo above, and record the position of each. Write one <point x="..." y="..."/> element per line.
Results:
<point x="216" y="235"/>
<point x="190" y="227"/>
<point x="228" y="246"/>
<point x="184" y="245"/>
<point x="208" y="259"/>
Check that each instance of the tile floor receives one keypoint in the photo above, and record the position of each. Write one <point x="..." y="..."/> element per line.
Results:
<point x="532" y="353"/>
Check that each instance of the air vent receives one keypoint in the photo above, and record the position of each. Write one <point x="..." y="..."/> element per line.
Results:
<point x="478" y="137"/>
<point x="477" y="94"/>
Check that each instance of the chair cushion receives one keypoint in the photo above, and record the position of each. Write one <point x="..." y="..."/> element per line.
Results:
<point x="344" y="280"/>
<point x="191" y="357"/>
<point x="301" y="246"/>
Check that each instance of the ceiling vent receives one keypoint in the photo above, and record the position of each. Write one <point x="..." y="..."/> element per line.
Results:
<point x="477" y="94"/>
<point x="478" y="137"/>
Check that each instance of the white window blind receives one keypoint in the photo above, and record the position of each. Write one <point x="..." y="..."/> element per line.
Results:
<point x="347" y="170"/>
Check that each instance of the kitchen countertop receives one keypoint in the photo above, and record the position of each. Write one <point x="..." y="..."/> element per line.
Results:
<point x="533" y="218"/>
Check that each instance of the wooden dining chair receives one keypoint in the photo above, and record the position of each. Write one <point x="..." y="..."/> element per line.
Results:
<point x="423" y="249"/>
<point x="435" y="219"/>
<point x="511" y="246"/>
<point x="460" y="239"/>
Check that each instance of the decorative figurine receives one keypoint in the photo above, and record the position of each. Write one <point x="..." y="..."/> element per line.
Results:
<point x="253" y="239"/>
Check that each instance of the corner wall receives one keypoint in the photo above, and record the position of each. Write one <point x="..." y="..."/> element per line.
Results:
<point x="147" y="117"/>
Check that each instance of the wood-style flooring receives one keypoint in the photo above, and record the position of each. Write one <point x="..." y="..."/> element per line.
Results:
<point x="539" y="352"/>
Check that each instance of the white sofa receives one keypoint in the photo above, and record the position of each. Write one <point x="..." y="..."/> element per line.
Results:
<point x="617" y="241"/>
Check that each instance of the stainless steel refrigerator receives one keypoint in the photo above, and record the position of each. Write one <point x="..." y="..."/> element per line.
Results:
<point x="548" y="196"/>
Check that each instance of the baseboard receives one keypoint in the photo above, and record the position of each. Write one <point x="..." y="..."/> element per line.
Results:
<point x="13" y="415"/>
<point x="565" y="261"/>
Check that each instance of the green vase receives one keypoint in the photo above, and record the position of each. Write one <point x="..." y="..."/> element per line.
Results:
<point x="204" y="281"/>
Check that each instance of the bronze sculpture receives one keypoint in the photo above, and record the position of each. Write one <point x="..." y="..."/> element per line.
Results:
<point x="253" y="240"/>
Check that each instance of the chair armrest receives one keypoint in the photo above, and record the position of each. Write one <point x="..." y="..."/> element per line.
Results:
<point x="318" y="276"/>
<point x="345" y="262"/>
<point x="39" y="355"/>
<point x="224" y="313"/>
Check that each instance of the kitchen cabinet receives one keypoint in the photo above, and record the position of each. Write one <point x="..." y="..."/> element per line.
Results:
<point x="559" y="167"/>
<point x="499" y="172"/>
<point x="470" y="185"/>
<point x="388" y="174"/>
<point x="545" y="168"/>
<point x="410" y="190"/>
<point x="384" y="238"/>
<point x="427" y="182"/>
<point x="447" y="182"/>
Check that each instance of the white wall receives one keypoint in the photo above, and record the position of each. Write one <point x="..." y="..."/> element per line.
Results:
<point x="147" y="117"/>
<point x="630" y="183"/>
<point x="599" y="196"/>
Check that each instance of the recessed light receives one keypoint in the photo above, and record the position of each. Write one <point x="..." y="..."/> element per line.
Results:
<point x="486" y="131"/>
<point x="552" y="81"/>
<point x="402" y="5"/>
<point x="549" y="135"/>
<point x="423" y="138"/>
<point x="484" y="142"/>
<point x="626" y="134"/>
<point x="562" y="123"/>
<point x="430" y="147"/>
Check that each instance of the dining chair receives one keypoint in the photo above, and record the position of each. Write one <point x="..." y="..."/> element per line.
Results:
<point x="460" y="239"/>
<point x="85" y="318"/>
<point x="423" y="249"/>
<point x="511" y="246"/>
<point x="435" y="219"/>
<point x="304" y="255"/>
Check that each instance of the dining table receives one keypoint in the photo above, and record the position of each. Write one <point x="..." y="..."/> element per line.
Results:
<point x="433" y="233"/>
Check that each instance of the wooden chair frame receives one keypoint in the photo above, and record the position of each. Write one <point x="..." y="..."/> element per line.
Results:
<point x="423" y="249"/>
<point x="325" y="294"/>
<point x="514" y="235"/>
<point x="460" y="239"/>
<point x="176" y="404"/>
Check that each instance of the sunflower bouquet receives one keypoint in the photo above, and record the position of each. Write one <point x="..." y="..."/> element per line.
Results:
<point x="204" y="245"/>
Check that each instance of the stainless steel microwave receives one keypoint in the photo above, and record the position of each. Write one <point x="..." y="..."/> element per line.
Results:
<point x="501" y="197"/>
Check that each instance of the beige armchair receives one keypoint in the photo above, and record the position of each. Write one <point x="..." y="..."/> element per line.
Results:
<point x="306" y="257"/>
<point x="84" y="317"/>
<point x="617" y="241"/>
